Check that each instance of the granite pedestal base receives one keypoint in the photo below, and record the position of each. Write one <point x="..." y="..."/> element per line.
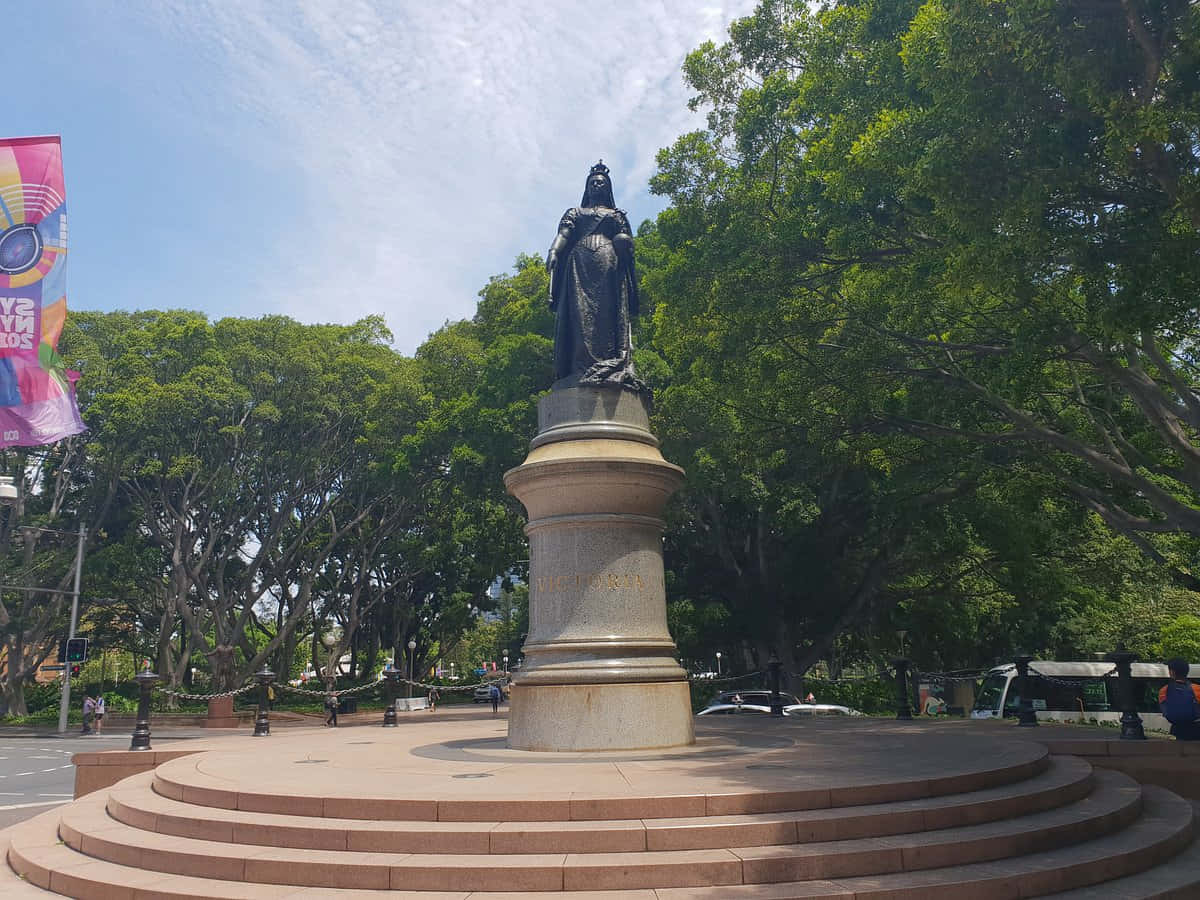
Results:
<point x="636" y="716"/>
<point x="599" y="670"/>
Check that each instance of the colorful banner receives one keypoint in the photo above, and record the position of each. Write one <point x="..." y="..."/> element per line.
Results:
<point x="37" y="394"/>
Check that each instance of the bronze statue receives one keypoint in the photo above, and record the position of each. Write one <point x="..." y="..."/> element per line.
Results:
<point x="593" y="290"/>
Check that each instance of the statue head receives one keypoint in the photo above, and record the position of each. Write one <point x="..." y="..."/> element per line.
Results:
<point x="597" y="190"/>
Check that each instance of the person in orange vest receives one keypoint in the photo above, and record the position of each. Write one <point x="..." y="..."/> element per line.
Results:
<point x="1179" y="701"/>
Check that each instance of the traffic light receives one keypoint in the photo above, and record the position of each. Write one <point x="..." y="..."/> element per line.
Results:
<point x="77" y="650"/>
<point x="75" y="667"/>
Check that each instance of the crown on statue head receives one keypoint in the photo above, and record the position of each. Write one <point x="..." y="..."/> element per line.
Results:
<point x="599" y="169"/>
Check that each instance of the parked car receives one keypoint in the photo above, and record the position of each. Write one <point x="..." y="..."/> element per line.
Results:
<point x="792" y="709"/>
<point x="755" y="697"/>
<point x="483" y="692"/>
<point x="819" y="709"/>
<point x="735" y="709"/>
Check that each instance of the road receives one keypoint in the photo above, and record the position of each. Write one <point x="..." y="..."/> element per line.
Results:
<point x="36" y="772"/>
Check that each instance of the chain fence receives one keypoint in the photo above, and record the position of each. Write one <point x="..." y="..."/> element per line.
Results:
<point x="726" y="679"/>
<point x="1071" y="682"/>
<point x="181" y="695"/>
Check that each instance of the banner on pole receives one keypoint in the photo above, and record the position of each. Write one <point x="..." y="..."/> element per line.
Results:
<point x="37" y="393"/>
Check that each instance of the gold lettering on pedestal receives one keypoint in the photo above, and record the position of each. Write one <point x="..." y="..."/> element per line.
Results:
<point x="552" y="584"/>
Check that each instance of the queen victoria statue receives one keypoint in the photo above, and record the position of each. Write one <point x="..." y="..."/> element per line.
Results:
<point x="593" y="290"/>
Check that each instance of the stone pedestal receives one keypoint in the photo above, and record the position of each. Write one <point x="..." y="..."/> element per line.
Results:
<point x="599" y="670"/>
<point x="220" y="713"/>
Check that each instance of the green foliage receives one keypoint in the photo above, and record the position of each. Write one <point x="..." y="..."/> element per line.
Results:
<point x="1180" y="637"/>
<point x="923" y="299"/>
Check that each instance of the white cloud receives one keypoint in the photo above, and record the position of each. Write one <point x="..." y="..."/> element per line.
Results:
<point x="432" y="142"/>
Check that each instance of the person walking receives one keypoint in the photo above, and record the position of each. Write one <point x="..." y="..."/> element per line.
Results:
<point x="98" y="714"/>
<point x="331" y="704"/>
<point x="89" y="712"/>
<point x="494" y="696"/>
<point x="434" y="696"/>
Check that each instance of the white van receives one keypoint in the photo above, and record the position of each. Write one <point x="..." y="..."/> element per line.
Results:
<point x="1075" y="692"/>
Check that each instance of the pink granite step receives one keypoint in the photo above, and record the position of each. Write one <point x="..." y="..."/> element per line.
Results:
<point x="1164" y="829"/>
<point x="524" y="794"/>
<point x="135" y="804"/>
<point x="85" y="826"/>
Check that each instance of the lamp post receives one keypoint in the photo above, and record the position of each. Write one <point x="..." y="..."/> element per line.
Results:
<point x="718" y="663"/>
<point x="328" y="640"/>
<point x="412" y="645"/>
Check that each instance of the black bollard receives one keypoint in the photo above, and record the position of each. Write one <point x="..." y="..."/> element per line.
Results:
<point x="389" y="693"/>
<point x="262" y="723"/>
<point x="773" y="666"/>
<point x="903" y="711"/>
<point x="1131" y="722"/>
<point x="141" y="730"/>
<point x="1026" y="717"/>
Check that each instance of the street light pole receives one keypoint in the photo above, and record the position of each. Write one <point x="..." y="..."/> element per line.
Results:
<point x="718" y="663"/>
<point x="64" y="702"/>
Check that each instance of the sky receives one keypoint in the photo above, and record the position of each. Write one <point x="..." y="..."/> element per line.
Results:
<point x="332" y="160"/>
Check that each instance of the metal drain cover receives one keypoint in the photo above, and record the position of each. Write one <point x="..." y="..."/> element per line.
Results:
<point x="301" y="762"/>
<point x="473" y="775"/>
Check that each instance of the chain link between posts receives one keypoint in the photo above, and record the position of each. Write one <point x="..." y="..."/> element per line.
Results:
<point x="1072" y="682"/>
<point x="728" y="679"/>
<point x="180" y="695"/>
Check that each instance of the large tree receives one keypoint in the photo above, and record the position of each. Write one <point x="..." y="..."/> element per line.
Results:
<point x="956" y="222"/>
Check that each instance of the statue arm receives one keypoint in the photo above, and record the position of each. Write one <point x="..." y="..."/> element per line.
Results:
<point x="565" y="226"/>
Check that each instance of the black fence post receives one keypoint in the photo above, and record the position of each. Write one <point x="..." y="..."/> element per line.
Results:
<point x="902" y="709"/>
<point x="1025" y="714"/>
<point x="141" y="730"/>
<point x="262" y="723"/>
<point x="773" y="666"/>
<point x="1131" y="722"/>
<point x="389" y="692"/>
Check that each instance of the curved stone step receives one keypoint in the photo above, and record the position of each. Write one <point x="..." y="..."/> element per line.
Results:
<point x="86" y="827"/>
<point x="189" y="780"/>
<point x="1164" y="829"/>
<point x="1178" y="878"/>
<point x="133" y="802"/>
<point x="12" y="885"/>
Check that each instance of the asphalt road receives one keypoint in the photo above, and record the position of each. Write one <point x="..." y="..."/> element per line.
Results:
<point x="36" y="772"/>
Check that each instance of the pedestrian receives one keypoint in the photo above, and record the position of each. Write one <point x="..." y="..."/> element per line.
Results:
<point x="89" y="711"/>
<point x="434" y="697"/>
<point x="494" y="696"/>
<point x="270" y="696"/>
<point x="331" y="704"/>
<point x="1179" y="701"/>
<point x="98" y="713"/>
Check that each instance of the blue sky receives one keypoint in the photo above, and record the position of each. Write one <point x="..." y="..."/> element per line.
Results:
<point x="334" y="160"/>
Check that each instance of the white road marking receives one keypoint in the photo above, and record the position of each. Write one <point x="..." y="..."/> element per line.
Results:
<point x="43" y="757"/>
<point x="22" y="774"/>
<point x="55" y="769"/>
<point x="39" y="803"/>
<point x="56" y="795"/>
